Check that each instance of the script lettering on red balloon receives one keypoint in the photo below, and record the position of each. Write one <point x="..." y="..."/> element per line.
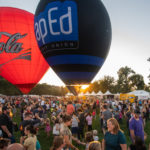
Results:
<point x="11" y="45"/>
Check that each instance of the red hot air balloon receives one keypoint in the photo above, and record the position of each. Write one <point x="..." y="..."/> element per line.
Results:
<point x="21" y="61"/>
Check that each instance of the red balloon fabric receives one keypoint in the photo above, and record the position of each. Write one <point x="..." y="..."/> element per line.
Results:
<point x="21" y="61"/>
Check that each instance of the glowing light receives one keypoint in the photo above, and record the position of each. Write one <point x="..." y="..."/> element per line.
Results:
<point x="11" y="114"/>
<point x="84" y="87"/>
<point x="21" y="128"/>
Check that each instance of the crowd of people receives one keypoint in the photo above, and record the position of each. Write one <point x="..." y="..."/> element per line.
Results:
<point x="67" y="120"/>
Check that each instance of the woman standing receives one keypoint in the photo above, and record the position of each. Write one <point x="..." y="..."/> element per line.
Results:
<point x="29" y="142"/>
<point x="114" y="139"/>
<point x="66" y="133"/>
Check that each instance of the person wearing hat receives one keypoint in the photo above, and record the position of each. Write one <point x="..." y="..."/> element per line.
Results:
<point x="136" y="126"/>
<point x="6" y="124"/>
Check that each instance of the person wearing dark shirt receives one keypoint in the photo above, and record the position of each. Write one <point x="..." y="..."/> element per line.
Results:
<point x="138" y="145"/>
<point x="81" y="124"/>
<point x="114" y="138"/>
<point x="136" y="126"/>
<point x="28" y="120"/>
<point x="6" y="124"/>
<point x="106" y="114"/>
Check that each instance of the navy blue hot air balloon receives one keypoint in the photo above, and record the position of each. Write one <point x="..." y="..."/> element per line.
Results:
<point x="74" y="36"/>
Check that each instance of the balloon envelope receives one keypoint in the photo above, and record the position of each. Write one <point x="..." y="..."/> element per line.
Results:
<point x="21" y="61"/>
<point x="74" y="37"/>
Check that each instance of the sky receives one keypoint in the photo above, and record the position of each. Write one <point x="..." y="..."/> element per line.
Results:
<point x="130" y="46"/>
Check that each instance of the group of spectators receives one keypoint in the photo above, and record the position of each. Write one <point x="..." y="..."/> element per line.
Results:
<point x="66" y="120"/>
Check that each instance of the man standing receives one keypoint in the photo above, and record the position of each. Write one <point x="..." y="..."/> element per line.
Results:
<point x="106" y="114"/>
<point x="70" y="108"/>
<point x="6" y="124"/>
<point x="28" y="120"/>
<point x="136" y="126"/>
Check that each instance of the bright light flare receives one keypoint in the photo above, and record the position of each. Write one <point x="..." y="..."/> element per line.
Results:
<point x="84" y="87"/>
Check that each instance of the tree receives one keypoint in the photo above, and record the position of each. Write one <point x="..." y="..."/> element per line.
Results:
<point x="107" y="83"/>
<point x="123" y="75"/>
<point x="7" y="88"/>
<point x="136" y="82"/>
<point x="93" y="87"/>
<point x="45" y="89"/>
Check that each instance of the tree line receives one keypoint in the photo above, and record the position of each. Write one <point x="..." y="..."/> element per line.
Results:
<point x="128" y="80"/>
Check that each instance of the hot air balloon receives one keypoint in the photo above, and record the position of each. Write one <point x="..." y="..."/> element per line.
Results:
<point x="74" y="37"/>
<point x="21" y="61"/>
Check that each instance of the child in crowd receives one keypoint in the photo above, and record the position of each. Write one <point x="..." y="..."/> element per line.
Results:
<point x="95" y="137"/>
<point x="89" y="120"/>
<point x="95" y="145"/>
<point x="88" y="139"/>
<point x="56" y="128"/>
<point x="47" y="127"/>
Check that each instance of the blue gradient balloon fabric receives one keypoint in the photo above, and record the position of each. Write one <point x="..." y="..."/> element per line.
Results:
<point x="74" y="37"/>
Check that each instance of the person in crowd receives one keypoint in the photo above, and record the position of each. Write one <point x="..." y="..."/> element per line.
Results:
<point x="88" y="139"/>
<point x="95" y="145"/>
<point x="29" y="142"/>
<point x="138" y="145"/>
<point x="106" y="114"/>
<point x="56" y="128"/>
<point x="38" y="146"/>
<point x="94" y="114"/>
<point x="47" y="126"/>
<point x="70" y="108"/>
<point x="89" y="120"/>
<point x="147" y="113"/>
<point x="94" y="105"/>
<point x="28" y="120"/>
<point x="136" y="126"/>
<point x="15" y="146"/>
<point x="74" y="126"/>
<point x="66" y="133"/>
<point x="4" y="143"/>
<point x="58" y="143"/>
<point x="95" y="136"/>
<point x="14" y="110"/>
<point x="81" y="124"/>
<point x="128" y="115"/>
<point x="144" y="115"/>
<point x="114" y="139"/>
<point x="120" y="117"/>
<point x="6" y="124"/>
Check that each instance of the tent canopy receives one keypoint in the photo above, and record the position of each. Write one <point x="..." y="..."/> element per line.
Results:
<point x="93" y="93"/>
<point x="108" y="93"/>
<point x="87" y="93"/>
<point x="141" y="94"/>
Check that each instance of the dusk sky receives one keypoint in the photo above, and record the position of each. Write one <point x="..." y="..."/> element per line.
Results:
<point x="130" y="20"/>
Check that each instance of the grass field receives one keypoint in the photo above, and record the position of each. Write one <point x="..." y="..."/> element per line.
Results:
<point x="46" y="142"/>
